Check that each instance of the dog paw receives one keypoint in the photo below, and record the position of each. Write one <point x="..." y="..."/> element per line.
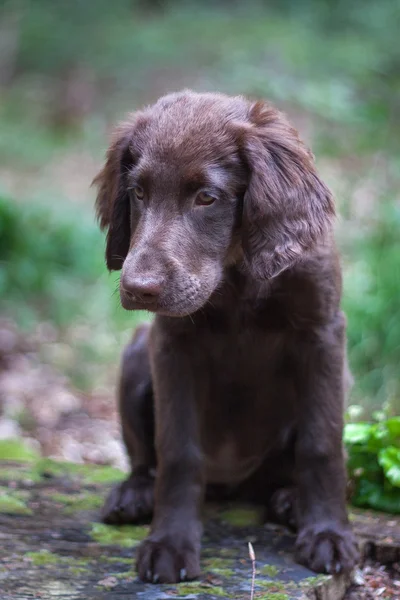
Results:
<point x="130" y="501"/>
<point x="328" y="549"/>
<point x="281" y="507"/>
<point x="168" y="559"/>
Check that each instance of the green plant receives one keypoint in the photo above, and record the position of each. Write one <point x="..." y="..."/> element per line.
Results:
<point x="371" y="303"/>
<point x="52" y="270"/>
<point x="374" y="462"/>
<point x="48" y="260"/>
<point x="52" y="266"/>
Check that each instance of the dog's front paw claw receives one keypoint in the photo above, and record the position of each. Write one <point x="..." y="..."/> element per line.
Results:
<point x="168" y="560"/>
<point x="331" y="549"/>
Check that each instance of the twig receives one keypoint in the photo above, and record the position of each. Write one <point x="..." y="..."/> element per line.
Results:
<point x="253" y="564"/>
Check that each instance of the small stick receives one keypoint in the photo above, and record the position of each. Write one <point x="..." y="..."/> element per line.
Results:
<point x="253" y="563"/>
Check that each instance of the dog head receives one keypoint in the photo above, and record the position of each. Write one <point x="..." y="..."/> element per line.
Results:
<point x="198" y="182"/>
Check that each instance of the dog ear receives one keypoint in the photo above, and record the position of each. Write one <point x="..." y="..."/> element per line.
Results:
<point x="112" y="202"/>
<point x="287" y="208"/>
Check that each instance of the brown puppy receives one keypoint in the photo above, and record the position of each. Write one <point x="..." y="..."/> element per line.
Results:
<point x="222" y="227"/>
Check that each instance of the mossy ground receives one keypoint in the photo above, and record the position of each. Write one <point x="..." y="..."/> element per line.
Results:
<point x="15" y="449"/>
<point x="78" y="502"/>
<point x="87" y="474"/>
<point x="219" y="565"/>
<point x="270" y="570"/>
<point x="11" y="505"/>
<point x="35" y="469"/>
<point x="45" y="558"/>
<point x="119" y="560"/>
<point x="316" y="581"/>
<point x="79" y="567"/>
<point x="241" y="516"/>
<point x="14" y="501"/>
<point x="197" y="588"/>
<point x="125" y="536"/>
<point x="58" y="504"/>
<point x="273" y="586"/>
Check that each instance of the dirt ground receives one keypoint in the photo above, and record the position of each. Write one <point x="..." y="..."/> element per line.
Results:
<point x="375" y="581"/>
<point x="38" y="403"/>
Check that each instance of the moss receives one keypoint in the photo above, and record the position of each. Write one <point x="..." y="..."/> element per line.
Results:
<point x="274" y="586"/>
<point x="17" y="473"/>
<point x="77" y="570"/>
<point x="314" y="581"/>
<point x="83" y="563"/>
<point x="241" y="517"/>
<point x="40" y="468"/>
<point x="16" y="449"/>
<point x="218" y="563"/>
<point x="14" y="501"/>
<point x="76" y="566"/>
<point x="130" y="574"/>
<point x="88" y="474"/>
<point x="219" y="566"/>
<point x="125" y="536"/>
<point x="119" y="560"/>
<point x="224" y="572"/>
<point x="44" y="557"/>
<point x="94" y="474"/>
<point x="269" y="570"/>
<point x="11" y="504"/>
<point x="77" y="502"/>
<point x="195" y="587"/>
<point x="16" y="493"/>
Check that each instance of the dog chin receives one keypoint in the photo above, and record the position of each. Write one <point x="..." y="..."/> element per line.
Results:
<point x="178" y="312"/>
<point x="181" y="309"/>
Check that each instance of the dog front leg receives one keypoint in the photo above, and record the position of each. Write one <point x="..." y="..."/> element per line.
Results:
<point x="325" y="541"/>
<point x="171" y="553"/>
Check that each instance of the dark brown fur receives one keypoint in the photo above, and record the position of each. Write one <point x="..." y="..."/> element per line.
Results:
<point x="238" y="386"/>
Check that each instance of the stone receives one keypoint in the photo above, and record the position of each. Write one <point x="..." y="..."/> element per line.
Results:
<point x="53" y="545"/>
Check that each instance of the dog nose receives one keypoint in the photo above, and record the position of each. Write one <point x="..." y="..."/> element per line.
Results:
<point x="143" y="289"/>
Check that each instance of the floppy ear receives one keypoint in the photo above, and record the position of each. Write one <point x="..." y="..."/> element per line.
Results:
<point x="287" y="208"/>
<point x="112" y="202"/>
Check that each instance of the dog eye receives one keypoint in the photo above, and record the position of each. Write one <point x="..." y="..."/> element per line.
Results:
<point x="139" y="192"/>
<point x="204" y="199"/>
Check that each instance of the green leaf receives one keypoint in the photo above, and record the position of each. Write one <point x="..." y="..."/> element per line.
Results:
<point x="357" y="433"/>
<point x="363" y="464"/>
<point x="372" y="495"/>
<point x="380" y="437"/>
<point x="389" y="459"/>
<point x="393" y="426"/>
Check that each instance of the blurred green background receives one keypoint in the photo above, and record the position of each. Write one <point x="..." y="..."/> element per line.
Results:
<point x="70" y="69"/>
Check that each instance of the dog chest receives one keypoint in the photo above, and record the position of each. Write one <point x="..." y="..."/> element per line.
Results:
<point x="227" y="466"/>
<point x="242" y="425"/>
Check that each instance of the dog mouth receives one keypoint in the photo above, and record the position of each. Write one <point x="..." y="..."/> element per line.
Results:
<point x="131" y="302"/>
<point x="162" y="306"/>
